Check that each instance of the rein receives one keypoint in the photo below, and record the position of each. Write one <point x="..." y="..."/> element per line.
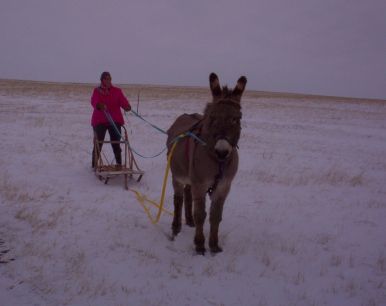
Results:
<point x="191" y="134"/>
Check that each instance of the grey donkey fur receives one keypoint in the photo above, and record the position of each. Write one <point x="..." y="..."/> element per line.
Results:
<point x="197" y="168"/>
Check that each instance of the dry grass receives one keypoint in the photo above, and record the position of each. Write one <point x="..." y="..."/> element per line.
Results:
<point x="333" y="177"/>
<point x="36" y="219"/>
<point x="15" y="193"/>
<point x="381" y="263"/>
<point x="145" y="91"/>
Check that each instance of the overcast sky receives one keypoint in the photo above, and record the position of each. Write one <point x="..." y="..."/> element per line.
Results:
<point x="331" y="47"/>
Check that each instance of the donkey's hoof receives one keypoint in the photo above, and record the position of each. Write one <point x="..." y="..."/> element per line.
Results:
<point x="200" y="250"/>
<point x="176" y="228"/>
<point x="215" y="249"/>
<point x="175" y="232"/>
<point x="190" y="223"/>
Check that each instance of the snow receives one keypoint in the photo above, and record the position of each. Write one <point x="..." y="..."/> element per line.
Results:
<point x="304" y="223"/>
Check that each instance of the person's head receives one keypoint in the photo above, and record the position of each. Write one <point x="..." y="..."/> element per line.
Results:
<point x="106" y="79"/>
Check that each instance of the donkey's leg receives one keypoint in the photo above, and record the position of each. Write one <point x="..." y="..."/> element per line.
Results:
<point x="178" y="201"/>
<point x="199" y="219"/>
<point x="215" y="217"/>
<point x="199" y="215"/>
<point x="188" y="206"/>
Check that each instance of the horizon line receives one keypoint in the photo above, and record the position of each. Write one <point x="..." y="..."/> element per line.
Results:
<point x="169" y="86"/>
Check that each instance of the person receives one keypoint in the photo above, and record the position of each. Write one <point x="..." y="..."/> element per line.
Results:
<point x="110" y="99"/>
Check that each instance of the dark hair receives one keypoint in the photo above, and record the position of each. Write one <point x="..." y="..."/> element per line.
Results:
<point x="105" y="74"/>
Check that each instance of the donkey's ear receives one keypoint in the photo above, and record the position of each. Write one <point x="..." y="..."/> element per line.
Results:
<point x="240" y="86"/>
<point x="214" y="84"/>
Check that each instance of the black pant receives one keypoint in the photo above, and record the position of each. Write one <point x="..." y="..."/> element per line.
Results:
<point x="100" y="133"/>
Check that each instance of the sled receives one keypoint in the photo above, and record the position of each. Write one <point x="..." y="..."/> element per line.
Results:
<point x="105" y="170"/>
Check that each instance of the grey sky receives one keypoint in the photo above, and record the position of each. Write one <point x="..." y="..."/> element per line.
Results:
<point x="331" y="47"/>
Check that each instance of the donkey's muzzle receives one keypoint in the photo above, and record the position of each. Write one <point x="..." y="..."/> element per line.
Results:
<point x="222" y="149"/>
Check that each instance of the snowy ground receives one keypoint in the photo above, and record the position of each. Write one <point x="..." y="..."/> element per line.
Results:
<point x="304" y="223"/>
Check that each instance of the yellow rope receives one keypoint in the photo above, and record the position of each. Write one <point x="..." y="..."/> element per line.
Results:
<point x="142" y="198"/>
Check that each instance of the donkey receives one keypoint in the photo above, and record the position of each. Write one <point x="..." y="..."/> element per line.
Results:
<point x="207" y="165"/>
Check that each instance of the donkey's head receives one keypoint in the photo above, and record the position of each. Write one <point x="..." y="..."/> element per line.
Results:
<point x="222" y="117"/>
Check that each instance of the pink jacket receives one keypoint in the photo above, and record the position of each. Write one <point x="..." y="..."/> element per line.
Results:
<point x="114" y="100"/>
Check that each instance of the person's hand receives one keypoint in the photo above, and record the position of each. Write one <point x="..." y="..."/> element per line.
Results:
<point x="101" y="106"/>
<point x="127" y="109"/>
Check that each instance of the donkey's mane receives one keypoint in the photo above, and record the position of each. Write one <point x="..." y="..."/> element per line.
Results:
<point x="226" y="92"/>
<point x="209" y="106"/>
<point x="228" y="97"/>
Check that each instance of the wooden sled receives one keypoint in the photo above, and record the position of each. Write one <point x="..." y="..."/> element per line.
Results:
<point x="105" y="170"/>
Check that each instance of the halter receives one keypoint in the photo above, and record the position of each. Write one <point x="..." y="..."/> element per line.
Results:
<point x="221" y="162"/>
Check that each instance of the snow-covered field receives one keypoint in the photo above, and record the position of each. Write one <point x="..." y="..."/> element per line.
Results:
<point x="304" y="224"/>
